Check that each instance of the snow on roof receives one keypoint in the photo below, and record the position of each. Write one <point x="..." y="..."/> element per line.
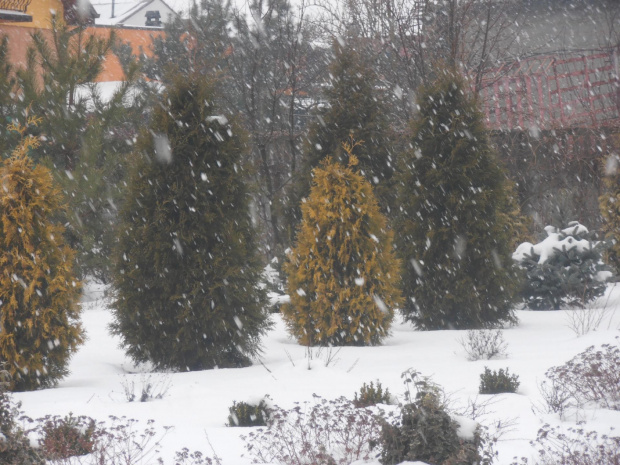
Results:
<point x="123" y="10"/>
<point x="181" y="6"/>
<point x="12" y="15"/>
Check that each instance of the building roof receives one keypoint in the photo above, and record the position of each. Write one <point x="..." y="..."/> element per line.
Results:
<point x="79" y="12"/>
<point x="123" y="10"/>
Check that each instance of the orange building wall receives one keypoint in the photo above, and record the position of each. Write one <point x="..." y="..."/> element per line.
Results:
<point x="41" y="12"/>
<point x="139" y="39"/>
<point x="19" y="40"/>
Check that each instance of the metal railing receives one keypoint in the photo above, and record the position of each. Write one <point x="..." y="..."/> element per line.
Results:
<point x="560" y="90"/>
<point x="14" y="5"/>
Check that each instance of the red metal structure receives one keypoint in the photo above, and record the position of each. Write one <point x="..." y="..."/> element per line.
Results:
<point x="576" y="89"/>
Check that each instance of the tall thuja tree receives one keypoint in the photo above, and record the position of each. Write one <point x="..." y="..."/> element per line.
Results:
<point x="458" y="220"/>
<point x="260" y="58"/>
<point x="610" y="207"/>
<point x="342" y="272"/>
<point x="7" y="97"/>
<point x="39" y="290"/>
<point x="355" y="109"/>
<point x="187" y="269"/>
<point x="84" y="137"/>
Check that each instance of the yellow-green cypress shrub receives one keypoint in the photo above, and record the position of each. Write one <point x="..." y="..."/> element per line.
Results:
<point x="39" y="292"/>
<point x="342" y="272"/>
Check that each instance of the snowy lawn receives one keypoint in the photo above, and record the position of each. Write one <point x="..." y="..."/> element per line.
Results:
<point x="196" y="404"/>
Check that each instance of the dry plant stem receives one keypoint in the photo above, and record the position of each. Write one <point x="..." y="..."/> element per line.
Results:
<point x="484" y="344"/>
<point x="588" y="319"/>
<point x="328" y="354"/>
<point x="582" y="321"/>
<point x="152" y="386"/>
<point x="121" y="442"/>
<point x="325" y="431"/>
<point x="592" y="376"/>
<point x="574" y="446"/>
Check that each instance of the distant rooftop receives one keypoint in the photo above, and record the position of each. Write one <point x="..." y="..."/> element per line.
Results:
<point x="132" y="12"/>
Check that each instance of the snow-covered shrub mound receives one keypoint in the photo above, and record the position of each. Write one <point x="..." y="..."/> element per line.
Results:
<point x="591" y="378"/>
<point x="564" y="269"/>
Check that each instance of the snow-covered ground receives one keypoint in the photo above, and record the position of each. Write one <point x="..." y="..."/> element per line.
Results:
<point x="196" y="404"/>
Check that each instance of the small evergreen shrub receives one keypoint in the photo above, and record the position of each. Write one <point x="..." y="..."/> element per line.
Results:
<point x="484" y="344"/>
<point x="566" y="268"/>
<point x="370" y="395"/>
<point x="64" y="437"/>
<point x="591" y="376"/>
<point x="247" y="414"/>
<point x="425" y="431"/>
<point x="497" y="382"/>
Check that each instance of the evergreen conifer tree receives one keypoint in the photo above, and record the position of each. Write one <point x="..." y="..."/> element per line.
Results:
<point x="610" y="209"/>
<point x="84" y="136"/>
<point x="566" y="268"/>
<point x="39" y="291"/>
<point x="342" y="273"/>
<point x="7" y="97"/>
<point x="187" y="268"/>
<point x="458" y="220"/>
<point x="355" y="109"/>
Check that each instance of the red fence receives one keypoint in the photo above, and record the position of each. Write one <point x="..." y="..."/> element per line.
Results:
<point x="564" y="90"/>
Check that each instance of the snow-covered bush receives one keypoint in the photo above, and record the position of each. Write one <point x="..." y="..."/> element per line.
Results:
<point x="248" y="413"/>
<point x="64" y="437"/>
<point x="566" y="268"/>
<point x="485" y="343"/>
<point x="574" y="446"/>
<point x="426" y="431"/>
<point x="593" y="376"/>
<point x="324" y="432"/>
